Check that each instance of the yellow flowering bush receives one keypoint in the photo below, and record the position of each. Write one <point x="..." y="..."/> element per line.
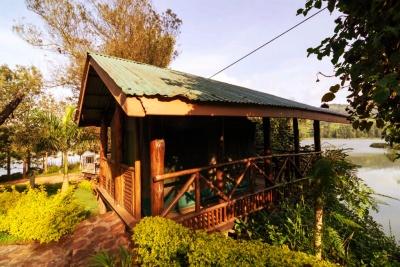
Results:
<point x="37" y="216"/>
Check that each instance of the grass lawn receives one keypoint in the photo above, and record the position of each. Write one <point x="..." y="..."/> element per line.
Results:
<point x="7" y="239"/>
<point x="87" y="200"/>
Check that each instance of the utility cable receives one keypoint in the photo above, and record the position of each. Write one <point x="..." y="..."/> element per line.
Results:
<point x="270" y="41"/>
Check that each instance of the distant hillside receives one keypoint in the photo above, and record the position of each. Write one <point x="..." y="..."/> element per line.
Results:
<point x="336" y="130"/>
<point x="338" y="107"/>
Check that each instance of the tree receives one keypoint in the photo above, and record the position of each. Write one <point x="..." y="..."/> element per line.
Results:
<point x="5" y="149"/>
<point x="64" y="135"/>
<point x="15" y="86"/>
<point x="27" y="136"/>
<point x="339" y="196"/>
<point x="365" y="53"/>
<point x="130" y="29"/>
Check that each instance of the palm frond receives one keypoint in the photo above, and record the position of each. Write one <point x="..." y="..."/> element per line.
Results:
<point x="335" y="241"/>
<point x="345" y="220"/>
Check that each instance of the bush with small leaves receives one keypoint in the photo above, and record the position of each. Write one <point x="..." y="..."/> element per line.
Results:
<point x="8" y="200"/>
<point x="161" y="242"/>
<point x="37" y="216"/>
<point x="85" y="185"/>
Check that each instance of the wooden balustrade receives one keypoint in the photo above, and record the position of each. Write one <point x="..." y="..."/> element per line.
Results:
<point x="106" y="177"/>
<point x="235" y="197"/>
<point x="128" y="176"/>
<point x="107" y="182"/>
<point x="218" y="215"/>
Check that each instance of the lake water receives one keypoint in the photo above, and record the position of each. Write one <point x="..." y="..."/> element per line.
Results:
<point x="52" y="160"/>
<point x="380" y="173"/>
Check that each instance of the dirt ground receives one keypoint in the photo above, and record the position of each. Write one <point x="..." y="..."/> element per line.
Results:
<point x="48" y="179"/>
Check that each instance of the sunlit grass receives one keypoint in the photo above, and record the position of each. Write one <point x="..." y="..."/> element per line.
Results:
<point x="87" y="199"/>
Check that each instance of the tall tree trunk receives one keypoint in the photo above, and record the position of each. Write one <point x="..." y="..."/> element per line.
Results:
<point x="45" y="162"/>
<point x="65" y="183"/>
<point x="24" y="168"/>
<point x="28" y="161"/>
<point x="318" y="225"/>
<point x="31" y="175"/>
<point x="11" y="106"/>
<point x="8" y="163"/>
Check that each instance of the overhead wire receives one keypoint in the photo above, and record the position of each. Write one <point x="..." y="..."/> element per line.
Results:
<point x="265" y="44"/>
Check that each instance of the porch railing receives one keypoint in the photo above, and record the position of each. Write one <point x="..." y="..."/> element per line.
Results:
<point x="121" y="188"/>
<point x="228" y="190"/>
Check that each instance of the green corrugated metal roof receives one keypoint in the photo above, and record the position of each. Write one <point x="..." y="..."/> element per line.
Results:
<point x="138" y="79"/>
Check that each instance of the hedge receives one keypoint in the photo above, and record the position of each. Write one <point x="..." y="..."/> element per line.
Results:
<point x="162" y="242"/>
<point x="37" y="216"/>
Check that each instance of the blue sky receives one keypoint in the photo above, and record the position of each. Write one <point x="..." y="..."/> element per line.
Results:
<point x="213" y="34"/>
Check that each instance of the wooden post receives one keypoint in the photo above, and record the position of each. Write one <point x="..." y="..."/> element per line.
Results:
<point x="221" y="142"/>
<point x="317" y="136"/>
<point x="296" y="143"/>
<point x="118" y="135"/>
<point x="103" y="153"/>
<point x="136" y="184"/>
<point x="221" y="155"/>
<point x="137" y="203"/>
<point x="103" y="140"/>
<point x="157" y="153"/>
<point x="267" y="151"/>
<point x="197" y="193"/>
<point x="220" y="181"/>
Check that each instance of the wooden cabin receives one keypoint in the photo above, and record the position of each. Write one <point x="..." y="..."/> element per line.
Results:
<point x="182" y="146"/>
<point x="89" y="165"/>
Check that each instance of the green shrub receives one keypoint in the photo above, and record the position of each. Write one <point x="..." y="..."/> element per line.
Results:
<point x="283" y="256"/>
<point x="85" y="185"/>
<point x="53" y="169"/>
<point x="14" y="176"/>
<point x="218" y="250"/>
<point x="74" y="167"/>
<point x="7" y="239"/>
<point x="161" y="242"/>
<point x="37" y="216"/>
<point x="8" y="200"/>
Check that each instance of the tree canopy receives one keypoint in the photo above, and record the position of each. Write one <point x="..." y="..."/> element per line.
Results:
<point x="17" y="85"/>
<point x="130" y="29"/>
<point x="365" y="52"/>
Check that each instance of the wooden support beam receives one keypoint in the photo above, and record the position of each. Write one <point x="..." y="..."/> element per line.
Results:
<point x="137" y="197"/>
<point x="137" y="190"/>
<point x="197" y="192"/>
<point x="267" y="151"/>
<point x="179" y="194"/>
<point x="267" y="135"/>
<point x="103" y="152"/>
<point x="157" y="154"/>
<point x="219" y="177"/>
<point x="103" y="140"/>
<point x="118" y="137"/>
<point x="221" y="141"/>
<point x="317" y="136"/>
<point x="296" y="142"/>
